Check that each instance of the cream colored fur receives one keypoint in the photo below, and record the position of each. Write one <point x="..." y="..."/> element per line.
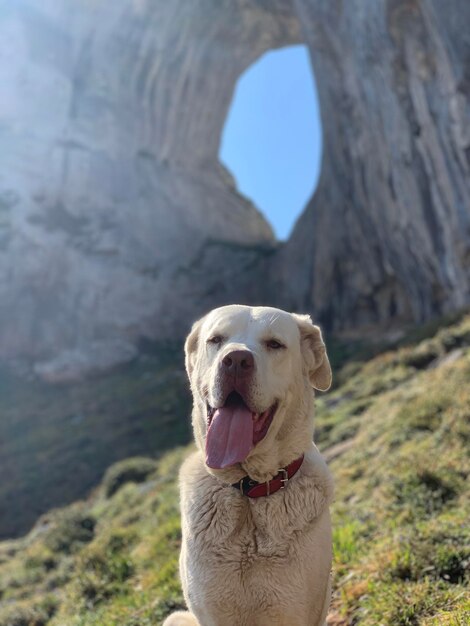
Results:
<point x="264" y="561"/>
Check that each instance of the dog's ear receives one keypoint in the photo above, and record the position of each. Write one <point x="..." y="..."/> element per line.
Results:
<point x="314" y="353"/>
<point x="191" y="346"/>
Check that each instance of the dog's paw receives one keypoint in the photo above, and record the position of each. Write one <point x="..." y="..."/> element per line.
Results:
<point x="181" y="618"/>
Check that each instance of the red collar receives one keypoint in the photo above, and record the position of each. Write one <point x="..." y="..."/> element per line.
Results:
<point x="252" y="489"/>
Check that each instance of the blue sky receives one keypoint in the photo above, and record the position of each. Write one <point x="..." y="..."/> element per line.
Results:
<point x="272" y="136"/>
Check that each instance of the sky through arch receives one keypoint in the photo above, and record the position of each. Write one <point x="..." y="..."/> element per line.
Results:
<point x="271" y="140"/>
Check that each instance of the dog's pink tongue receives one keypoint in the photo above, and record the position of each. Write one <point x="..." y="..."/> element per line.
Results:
<point x="230" y="437"/>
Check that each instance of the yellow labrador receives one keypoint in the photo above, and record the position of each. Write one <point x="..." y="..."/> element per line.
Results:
<point x="254" y="497"/>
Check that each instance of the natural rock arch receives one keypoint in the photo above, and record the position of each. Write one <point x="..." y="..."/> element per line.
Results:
<point x="117" y="221"/>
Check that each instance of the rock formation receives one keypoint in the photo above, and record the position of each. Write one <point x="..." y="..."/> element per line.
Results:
<point x="110" y="188"/>
<point x="117" y="221"/>
<point x="387" y="234"/>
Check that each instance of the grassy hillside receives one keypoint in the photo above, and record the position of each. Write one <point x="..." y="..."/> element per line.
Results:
<point x="397" y="433"/>
<point x="46" y="430"/>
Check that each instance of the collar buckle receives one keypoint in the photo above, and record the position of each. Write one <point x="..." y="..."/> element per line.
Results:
<point x="285" y="477"/>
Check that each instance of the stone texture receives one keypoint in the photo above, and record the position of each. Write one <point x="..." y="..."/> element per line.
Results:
<point x="117" y="221"/>
<point x="386" y="237"/>
<point x="110" y="185"/>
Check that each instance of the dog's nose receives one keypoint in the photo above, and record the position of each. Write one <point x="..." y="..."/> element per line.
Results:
<point x="238" y="363"/>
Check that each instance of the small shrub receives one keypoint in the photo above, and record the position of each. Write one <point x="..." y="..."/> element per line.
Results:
<point x="452" y="563"/>
<point x="422" y="356"/>
<point x="103" y="570"/>
<point x="421" y="414"/>
<point x="438" y="555"/>
<point x="60" y="576"/>
<point x="29" y="613"/>
<point x="423" y="493"/>
<point x="41" y="559"/>
<point x="134" y="470"/>
<point x="73" y="528"/>
<point x="453" y="338"/>
<point x="102" y="577"/>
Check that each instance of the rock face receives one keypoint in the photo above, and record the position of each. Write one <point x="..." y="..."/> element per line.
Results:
<point x="117" y="221"/>
<point x="111" y="193"/>
<point x="387" y="234"/>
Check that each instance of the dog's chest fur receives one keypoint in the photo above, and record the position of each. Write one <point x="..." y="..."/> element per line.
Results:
<point x="249" y="544"/>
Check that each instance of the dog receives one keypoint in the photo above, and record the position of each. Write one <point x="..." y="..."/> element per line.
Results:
<point x="256" y="532"/>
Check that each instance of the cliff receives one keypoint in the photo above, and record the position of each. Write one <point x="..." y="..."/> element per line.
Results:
<point x="386" y="237"/>
<point x="111" y="193"/>
<point x="117" y="221"/>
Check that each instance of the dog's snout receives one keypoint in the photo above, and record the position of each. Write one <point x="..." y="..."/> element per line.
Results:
<point x="238" y="363"/>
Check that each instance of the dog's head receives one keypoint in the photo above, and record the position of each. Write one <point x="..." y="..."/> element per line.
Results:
<point x="252" y="370"/>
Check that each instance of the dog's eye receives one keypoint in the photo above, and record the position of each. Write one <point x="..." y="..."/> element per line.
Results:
<point x="216" y="340"/>
<point x="273" y="344"/>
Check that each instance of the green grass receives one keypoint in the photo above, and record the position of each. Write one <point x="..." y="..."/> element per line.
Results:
<point x="401" y="532"/>
<point x="400" y="518"/>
